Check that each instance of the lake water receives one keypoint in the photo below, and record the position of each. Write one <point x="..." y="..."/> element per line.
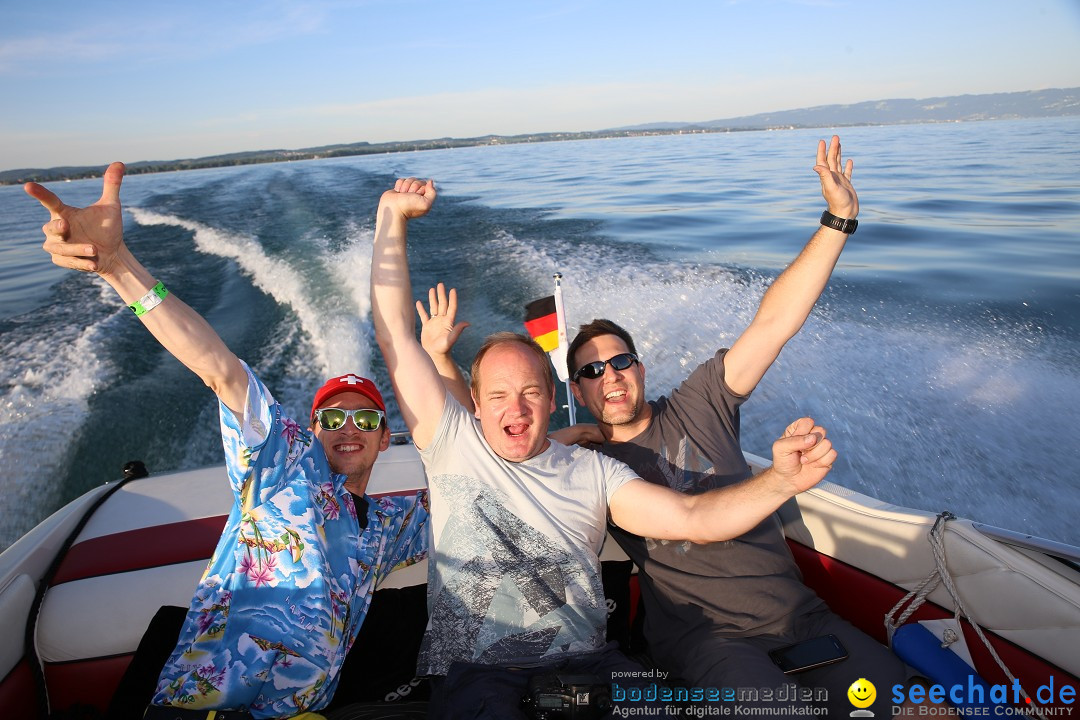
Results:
<point x="944" y="357"/>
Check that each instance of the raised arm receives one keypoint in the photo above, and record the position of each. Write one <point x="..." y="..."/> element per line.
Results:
<point x="417" y="384"/>
<point x="583" y="434"/>
<point x="788" y="301"/>
<point x="801" y="459"/>
<point x="91" y="239"/>
<point x="439" y="331"/>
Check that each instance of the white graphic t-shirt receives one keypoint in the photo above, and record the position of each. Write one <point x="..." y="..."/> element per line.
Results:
<point x="516" y="572"/>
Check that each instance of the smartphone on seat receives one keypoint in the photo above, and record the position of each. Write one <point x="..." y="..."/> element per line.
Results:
<point x="809" y="654"/>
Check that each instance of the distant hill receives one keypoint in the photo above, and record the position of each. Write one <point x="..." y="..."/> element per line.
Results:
<point x="959" y="108"/>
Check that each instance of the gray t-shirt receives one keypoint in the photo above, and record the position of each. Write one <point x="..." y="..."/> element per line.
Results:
<point x="746" y="586"/>
<point x="515" y="575"/>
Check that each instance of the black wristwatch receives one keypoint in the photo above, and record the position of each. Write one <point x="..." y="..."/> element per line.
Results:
<point x="838" y="223"/>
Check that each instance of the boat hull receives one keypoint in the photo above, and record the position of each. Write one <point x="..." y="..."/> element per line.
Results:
<point x="148" y="543"/>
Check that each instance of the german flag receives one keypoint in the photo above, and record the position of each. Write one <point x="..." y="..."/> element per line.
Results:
<point x="541" y="322"/>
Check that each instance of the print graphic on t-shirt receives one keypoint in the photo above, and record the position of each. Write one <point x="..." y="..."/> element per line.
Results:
<point x="505" y="583"/>
<point x="686" y="471"/>
<point x="692" y="472"/>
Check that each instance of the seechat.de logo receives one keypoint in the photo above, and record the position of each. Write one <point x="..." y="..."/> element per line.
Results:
<point x="862" y="694"/>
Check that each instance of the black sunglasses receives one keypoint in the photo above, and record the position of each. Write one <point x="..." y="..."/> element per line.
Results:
<point x="594" y="370"/>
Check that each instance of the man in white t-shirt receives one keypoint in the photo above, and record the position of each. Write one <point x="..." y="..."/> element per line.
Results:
<point x="517" y="519"/>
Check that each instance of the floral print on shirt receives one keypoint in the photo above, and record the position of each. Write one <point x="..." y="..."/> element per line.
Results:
<point x="291" y="579"/>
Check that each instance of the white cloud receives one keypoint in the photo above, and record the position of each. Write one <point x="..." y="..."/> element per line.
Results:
<point x="147" y="34"/>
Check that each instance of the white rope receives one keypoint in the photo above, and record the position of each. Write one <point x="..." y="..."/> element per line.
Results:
<point x="940" y="574"/>
<point x="927" y="586"/>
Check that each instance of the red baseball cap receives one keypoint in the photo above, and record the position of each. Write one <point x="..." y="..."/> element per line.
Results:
<point x="344" y="384"/>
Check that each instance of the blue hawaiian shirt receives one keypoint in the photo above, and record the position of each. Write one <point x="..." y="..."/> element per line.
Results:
<point x="291" y="579"/>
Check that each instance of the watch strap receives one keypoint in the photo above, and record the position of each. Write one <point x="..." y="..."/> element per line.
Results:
<point x="844" y="225"/>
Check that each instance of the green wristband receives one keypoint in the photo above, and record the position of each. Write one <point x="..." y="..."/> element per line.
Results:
<point x="150" y="300"/>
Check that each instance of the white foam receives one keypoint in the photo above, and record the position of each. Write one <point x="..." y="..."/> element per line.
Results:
<point x="319" y="313"/>
<point x="45" y="402"/>
<point x="351" y="330"/>
<point x="679" y="315"/>
<point x="923" y="409"/>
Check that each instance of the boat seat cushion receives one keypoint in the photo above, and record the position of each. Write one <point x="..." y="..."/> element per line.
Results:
<point x="140" y="679"/>
<point x="381" y="666"/>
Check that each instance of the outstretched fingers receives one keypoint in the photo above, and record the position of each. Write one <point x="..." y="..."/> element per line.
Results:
<point x="110" y="189"/>
<point x="835" y="161"/>
<point x="424" y="317"/>
<point x="451" y="313"/>
<point x="837" y="164"/>
<point x="439" y="329"/>
<point x="451" y="302"/>
<point x="46" y="197"/>
<point x="440" y="302"/>
<point x="830" y="159"/>
<point x="437" y="302"/>
<point x="88" y="238"/>
<point x="835" y="175"/>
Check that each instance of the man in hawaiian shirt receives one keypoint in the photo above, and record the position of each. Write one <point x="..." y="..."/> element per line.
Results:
<point x="292" y="577"/>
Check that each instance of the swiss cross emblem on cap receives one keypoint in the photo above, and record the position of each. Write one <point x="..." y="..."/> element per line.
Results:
<point x="351" y="380"/>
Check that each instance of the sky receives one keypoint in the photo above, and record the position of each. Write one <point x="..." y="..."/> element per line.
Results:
<point x="86" y="83"/>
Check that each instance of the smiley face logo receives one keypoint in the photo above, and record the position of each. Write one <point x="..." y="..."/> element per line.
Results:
<point x="862" y="693"/>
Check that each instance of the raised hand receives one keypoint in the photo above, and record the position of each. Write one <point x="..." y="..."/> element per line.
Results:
<point x="89" y="238"/>
<point x="410" y="198"/>
<point x="835" y="178"/>
<point x="803" y="456"/>
<point x="438" y="330"/>
<point x="419" y="379"/>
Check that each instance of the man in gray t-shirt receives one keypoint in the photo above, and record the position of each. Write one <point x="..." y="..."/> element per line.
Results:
<point x="713" y="611"/>
<point x="517" y="519"/>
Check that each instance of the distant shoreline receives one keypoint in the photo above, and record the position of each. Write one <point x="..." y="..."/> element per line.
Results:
<point x="962" y="108"/>
<point x="358" y="149"/>
<point x="271" y="156"/>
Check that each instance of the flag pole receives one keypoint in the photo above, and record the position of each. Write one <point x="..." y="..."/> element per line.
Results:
<point x="560" y="316"/>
